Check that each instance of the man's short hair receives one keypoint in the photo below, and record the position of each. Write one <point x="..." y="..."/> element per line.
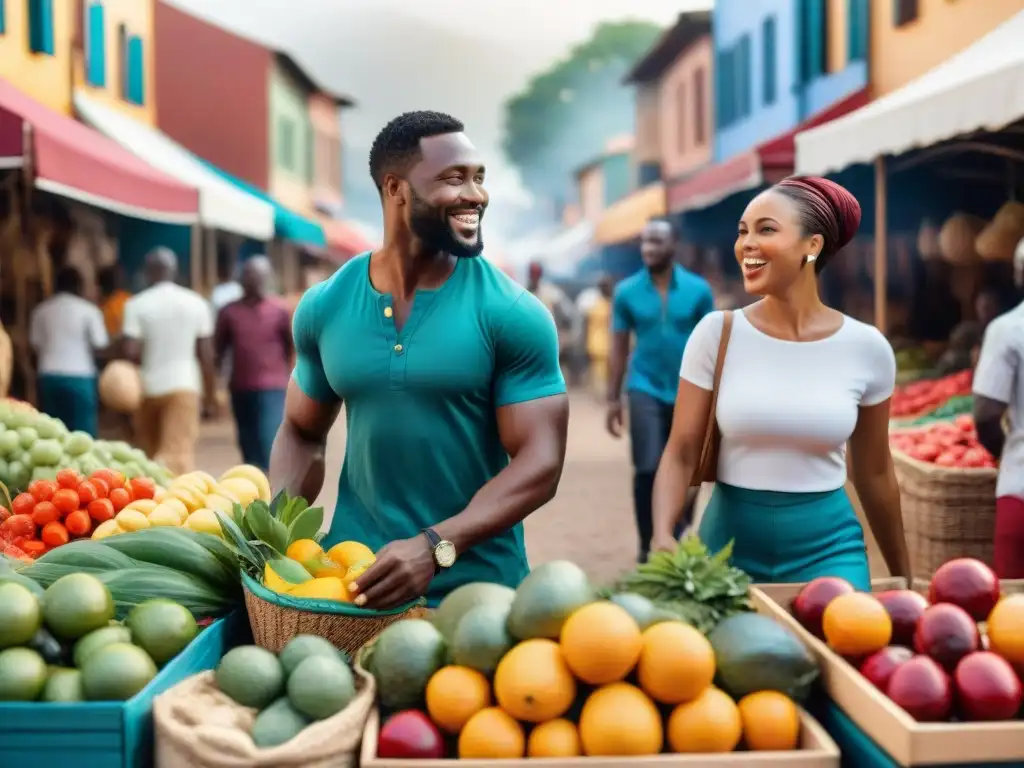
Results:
<point x="397" y="146"/>
<point x="673" y="230"/>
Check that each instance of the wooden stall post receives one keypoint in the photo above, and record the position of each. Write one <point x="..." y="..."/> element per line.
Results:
<point x="881" y="249"/>
<point x="195" y="259"/>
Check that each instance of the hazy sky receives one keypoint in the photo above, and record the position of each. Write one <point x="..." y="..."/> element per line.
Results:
<point x="459" y="57"/>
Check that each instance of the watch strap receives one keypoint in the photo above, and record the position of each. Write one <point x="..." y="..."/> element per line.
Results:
<point x="433" y="539"/>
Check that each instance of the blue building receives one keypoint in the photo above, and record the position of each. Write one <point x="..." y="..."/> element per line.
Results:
<point x="781" y="66"/>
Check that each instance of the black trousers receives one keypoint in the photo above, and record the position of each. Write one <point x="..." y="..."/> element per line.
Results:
<point x="650" y="421"/>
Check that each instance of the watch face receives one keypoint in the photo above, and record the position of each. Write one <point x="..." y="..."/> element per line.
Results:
<point x="444" y="554"/>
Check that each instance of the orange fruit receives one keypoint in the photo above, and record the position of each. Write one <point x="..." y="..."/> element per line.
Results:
<point x="709" y="723"/>
<point x="619" y="719"/>
<point x="1005" y="629"/>
<point x="676" y="663"/>
<point x="533" y="683"/>
<point x="601" y="643"/>
<point x="771" y="721"/>
<point x="555" y="738"/>
<point x="856" y="624"/>
<point x="492" y="734"/>
<point x="455" y="694"/>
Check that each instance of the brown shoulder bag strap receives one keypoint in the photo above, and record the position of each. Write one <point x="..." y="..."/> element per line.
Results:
<point x="723" y="346"/>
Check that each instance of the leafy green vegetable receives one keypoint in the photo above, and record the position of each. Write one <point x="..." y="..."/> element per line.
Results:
<point x="700" y="588"/>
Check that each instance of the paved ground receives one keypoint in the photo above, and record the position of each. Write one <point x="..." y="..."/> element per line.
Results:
<point x="590" y="521"/>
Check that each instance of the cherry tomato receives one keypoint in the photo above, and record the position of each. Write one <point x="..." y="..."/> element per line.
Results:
<point x="142" y="487"/>
<point x="78" y="523"/>
<point x="19" y="526"/>
<point x="23" y="504"/>
<point x="69" y="478"/>
<point x="101" y="510"/>
<point x="87" y="493"/>
<point x="54" y="535"/>
<point x="66" y="501"/>
<point x="120" y="498"/>
<point x="42" y="490"/>
<point x="111" y="477"/>
<point x="102" y="486"/>
<point x="45" y="512"/>
<point x="33" y="547"/>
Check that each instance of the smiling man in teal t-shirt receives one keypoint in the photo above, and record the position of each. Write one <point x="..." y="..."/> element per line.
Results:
<point x="454" y="400"/>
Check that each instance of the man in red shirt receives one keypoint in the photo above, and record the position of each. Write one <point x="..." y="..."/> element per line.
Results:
<point x="256" y="331"/>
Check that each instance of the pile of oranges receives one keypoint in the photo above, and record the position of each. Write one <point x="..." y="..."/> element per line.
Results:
<point x="51" y="513"/>
<point x="606" y="688"/>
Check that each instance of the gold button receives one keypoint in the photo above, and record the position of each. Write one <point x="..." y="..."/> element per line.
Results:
<point x="388" y="312"/>
<point x="398" y="347"/>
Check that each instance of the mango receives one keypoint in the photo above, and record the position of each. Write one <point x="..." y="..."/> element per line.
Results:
<point x="132" y="520"/>
<point x="349" y="553"/>
<point x="255" y="475"/>
<point x="107" y="528"/>
<point x="327" y="588"/>
<point x="241" y="488"/>
<point x="163" y="516"/>
<point x="204" y="521"/>
<point x="145" y="506"/>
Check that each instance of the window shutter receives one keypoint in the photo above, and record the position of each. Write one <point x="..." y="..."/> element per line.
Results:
<point x="96" y="52"/>
<point x="136" y="71"/>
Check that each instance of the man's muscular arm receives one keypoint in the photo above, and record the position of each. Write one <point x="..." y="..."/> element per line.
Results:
<point x="297" y="456"/>
<point x="310" y="410"/>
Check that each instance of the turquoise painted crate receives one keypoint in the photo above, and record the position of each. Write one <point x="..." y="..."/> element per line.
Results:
<point x="107" y="734"/>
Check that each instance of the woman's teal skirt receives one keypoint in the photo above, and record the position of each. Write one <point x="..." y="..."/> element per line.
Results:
<point x="788" y="537"/>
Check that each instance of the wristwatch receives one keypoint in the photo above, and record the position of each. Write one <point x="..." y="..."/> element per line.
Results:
<point x="443" y="550"/>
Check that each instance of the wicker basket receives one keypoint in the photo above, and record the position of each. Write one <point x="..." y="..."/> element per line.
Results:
<point x="947" y="513"/>
<point x="275" y="619"/>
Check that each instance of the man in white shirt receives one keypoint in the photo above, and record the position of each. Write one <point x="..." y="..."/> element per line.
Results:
<point x="66" y="332"/>
<point x="168" y="331"/>
<point x="999" y="393"/>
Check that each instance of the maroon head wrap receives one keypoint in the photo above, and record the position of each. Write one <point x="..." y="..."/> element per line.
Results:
<point x="828" y="209"/>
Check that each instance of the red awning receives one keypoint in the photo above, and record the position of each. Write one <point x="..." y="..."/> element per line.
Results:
<point x="345" y="240"/>
<point x="767" y="163"/>
<point x="74" y="161"/>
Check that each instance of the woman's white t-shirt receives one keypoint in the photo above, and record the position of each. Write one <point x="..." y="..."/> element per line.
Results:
<point x="786" y="409"/>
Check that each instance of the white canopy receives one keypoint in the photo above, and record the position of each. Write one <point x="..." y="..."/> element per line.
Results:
<point x="221" y="204"/>
<point x="982" y="87"/>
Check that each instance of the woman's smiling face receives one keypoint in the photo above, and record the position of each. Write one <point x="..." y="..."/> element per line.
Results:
<point x="771" y="247"/>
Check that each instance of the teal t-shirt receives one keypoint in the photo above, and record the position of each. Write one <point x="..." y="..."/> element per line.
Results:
<point x="420" y="403"/>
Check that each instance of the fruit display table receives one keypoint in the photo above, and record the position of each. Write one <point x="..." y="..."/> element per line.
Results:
<point x="859" y="707"/>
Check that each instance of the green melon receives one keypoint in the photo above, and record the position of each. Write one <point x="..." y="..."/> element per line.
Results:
<point x="482" y="638"/>
<point x="97" y="639"/>
<point x="250" y="675"/>
<point x="404" y="658"/>
<point x="23" y="674"/>
<point x="278" y="724"/>
<point x="546" y="598"/>
<point x="116" y="672"/>
<point x="63" y="685"/>
<point x="20" y="616"/>
<point x="321" y="686"/>
<point x="301" y="647"/>
<point x="162" y="628"/>
<point x="463" y="599"/>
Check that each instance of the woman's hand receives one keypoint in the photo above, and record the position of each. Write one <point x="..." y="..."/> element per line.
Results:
<point x="664" y="542"/>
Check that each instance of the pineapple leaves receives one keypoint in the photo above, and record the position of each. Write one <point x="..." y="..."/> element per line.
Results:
<point x="306" y="525"/>
<point x="265" y="527"/>
<point x="251" y="560"/>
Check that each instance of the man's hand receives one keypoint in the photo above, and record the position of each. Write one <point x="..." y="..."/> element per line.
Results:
<point x="613" y="419"/>
<point x="402" y="572"/>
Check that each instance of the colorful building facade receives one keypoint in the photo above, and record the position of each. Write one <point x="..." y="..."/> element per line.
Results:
<point x="36" y="49"/>
<point x="113" y="60"/>
<point x="910" y="37"/>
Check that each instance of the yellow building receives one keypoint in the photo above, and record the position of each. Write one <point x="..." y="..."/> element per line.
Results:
<point x="114" y="60"/>
<point x="36" y="49"/>
<point x="910" y="37"/>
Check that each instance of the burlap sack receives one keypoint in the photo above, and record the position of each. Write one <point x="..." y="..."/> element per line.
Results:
<point x="957" y="236"/>
<point x="197" y="726"/>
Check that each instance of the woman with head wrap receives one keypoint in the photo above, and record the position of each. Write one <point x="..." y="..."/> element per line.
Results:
<point x="799" y="382"/>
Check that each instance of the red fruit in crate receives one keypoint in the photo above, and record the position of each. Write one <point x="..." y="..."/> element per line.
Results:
<point x="987" y="688"/>
<point x="923" y="689"/>
<point x="879" y="666"/>
<point x="968" y="583"/>
<point x="814" y="597"/>
<point x="946" y="633"/>
<point x="905" y="608"/>
<point x="410" y="735"/>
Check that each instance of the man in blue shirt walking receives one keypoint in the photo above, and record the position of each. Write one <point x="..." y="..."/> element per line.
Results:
<point x="659" y="307"/>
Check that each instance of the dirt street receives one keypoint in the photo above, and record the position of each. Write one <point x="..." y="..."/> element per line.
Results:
<point x="590" y="521"/>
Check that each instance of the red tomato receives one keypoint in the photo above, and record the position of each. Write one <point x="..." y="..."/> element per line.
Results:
<point x="19" y="526"/>
<point x="78" y="523"/>
<point x="33" y="547"/>
<point x="87" y="492"/>
<point x="54" y="535"/>
<point x="142" y="487"/>
<point x="42" y="490"/>
<point x="66" y="501"/>
<point x="975" y="457"/>
<point x="23" y="504"/>
<point x="101" y="510"/>
<point x="45" y="512"/>
<point x="111" y="477"/>
<point x="947" y="459"/>
<point x="120" y="498"/>
<point x="102" y="486"/>
<point x="68" y="478"/>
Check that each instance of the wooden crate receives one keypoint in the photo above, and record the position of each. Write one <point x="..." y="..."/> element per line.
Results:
<point x="817" y="750"/>
<point x="907" y="741"/>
